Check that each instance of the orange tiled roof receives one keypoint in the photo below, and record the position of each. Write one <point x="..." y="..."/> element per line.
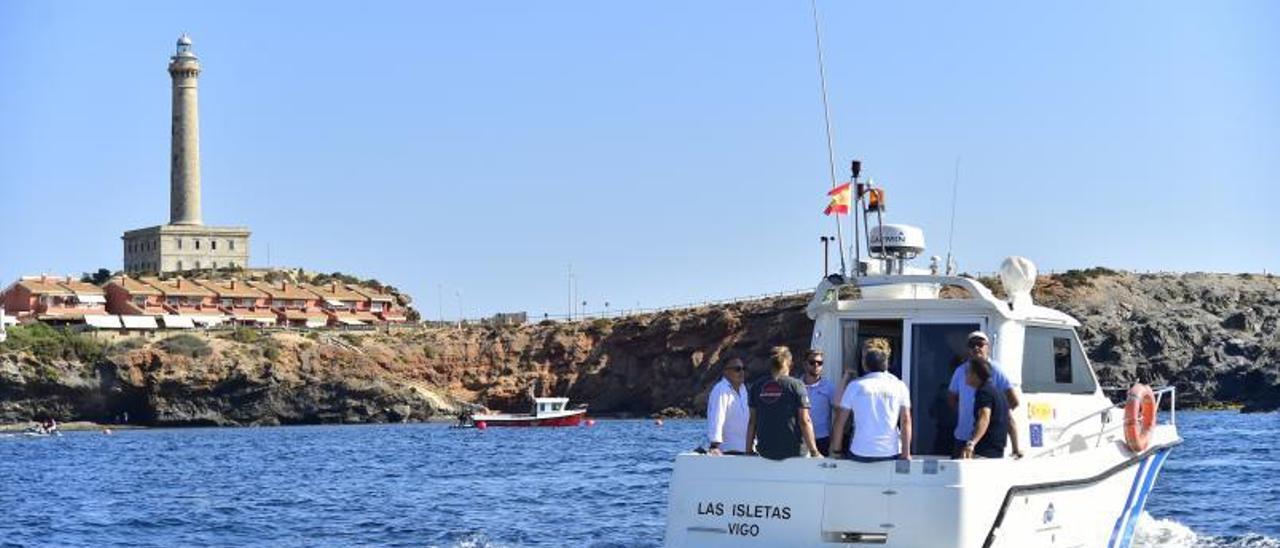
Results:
<point x="179" y="287"/>
<point x="336" y="292"/>
<point x="82" y="288"/>
<point x="45" y="286"/>
<point x="223" y="288"/>
<point x="304" y="315"/>
<point x="134" y="287"/>
<point x="288" y="291"/>
<point x="373" y="294"/>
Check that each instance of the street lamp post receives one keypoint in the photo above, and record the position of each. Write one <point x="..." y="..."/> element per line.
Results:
<point x="826" y="255"/>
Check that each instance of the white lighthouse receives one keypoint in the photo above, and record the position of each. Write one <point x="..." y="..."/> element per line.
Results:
<point x="186" y="243"/>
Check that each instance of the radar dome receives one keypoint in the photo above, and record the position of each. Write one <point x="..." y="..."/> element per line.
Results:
<point x="896" y="241"/>
<point x="1018" y="274"/>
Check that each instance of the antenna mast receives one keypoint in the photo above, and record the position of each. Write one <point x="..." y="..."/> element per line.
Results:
<point x="826" y="117"/>
<point x="955" y="186"/>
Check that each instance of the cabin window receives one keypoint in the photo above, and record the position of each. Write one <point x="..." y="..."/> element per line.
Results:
<point x="854" y="333"/>
<point x="1053" y="361"/>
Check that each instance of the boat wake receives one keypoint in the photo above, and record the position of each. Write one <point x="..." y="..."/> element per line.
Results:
<point x="1166" y="533"/>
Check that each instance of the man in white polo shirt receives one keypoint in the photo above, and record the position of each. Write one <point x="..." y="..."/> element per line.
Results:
<point x="881" y="407"/>
<point x="727" y="412"/>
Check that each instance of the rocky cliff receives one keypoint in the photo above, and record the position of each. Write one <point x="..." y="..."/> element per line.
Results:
<point x="1214" y="336"/>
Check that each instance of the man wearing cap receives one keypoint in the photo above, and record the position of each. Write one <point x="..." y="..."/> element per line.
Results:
<point x="727" y="411"/>
<point x="881" y="407"/>
<point x="821" y="398"/>
<point x="961" y="395"/>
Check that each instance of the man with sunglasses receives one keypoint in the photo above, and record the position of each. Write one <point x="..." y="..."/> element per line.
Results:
<point x="961" y="395"/>
<point x="821" y="397"/>
<point x="727" y="411"/>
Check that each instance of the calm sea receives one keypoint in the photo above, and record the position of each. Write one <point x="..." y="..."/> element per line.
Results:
<point x="428" y="485"/>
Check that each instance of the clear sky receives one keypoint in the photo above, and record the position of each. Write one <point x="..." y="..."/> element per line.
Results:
<point x="671" y="151"/>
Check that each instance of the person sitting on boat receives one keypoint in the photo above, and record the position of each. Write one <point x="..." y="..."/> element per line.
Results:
<point x="821" y="398"/>
<point x="992" y="419"/>
<point x="881" y="408"/>
<point x="727" y="411"/>
<point x="780" y="413"/>
<point x="961" y="395"/>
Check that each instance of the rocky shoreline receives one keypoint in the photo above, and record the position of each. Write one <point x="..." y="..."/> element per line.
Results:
<point x="1214" y="336"/>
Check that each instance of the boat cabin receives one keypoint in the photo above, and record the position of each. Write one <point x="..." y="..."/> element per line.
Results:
<point x="927" y="320"/>
<point x="549" y="406"/>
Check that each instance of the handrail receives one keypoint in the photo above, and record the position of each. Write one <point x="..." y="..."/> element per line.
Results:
<point x="1157" y="392"/>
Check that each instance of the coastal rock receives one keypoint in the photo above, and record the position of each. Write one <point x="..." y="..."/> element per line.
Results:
<point x="1214" y="336"/>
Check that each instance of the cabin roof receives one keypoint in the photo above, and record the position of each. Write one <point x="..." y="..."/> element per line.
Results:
<point x="980" y="301"/>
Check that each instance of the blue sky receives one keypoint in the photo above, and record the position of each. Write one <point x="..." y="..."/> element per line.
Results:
<point x="670" y="151"/>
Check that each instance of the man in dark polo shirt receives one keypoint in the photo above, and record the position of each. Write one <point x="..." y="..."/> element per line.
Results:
<point x="780" y="413"/>
<point x="992" y="421"/>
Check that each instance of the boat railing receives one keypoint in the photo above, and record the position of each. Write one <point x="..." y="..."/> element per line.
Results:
<point x="1106" y="425"/>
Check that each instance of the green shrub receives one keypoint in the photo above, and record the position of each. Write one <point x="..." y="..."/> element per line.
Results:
<point x="353" y="340"/>
<point x="1079" y="278"/>
<point x="429" y="351"/>
<point x="48" y="343"/>
<point x="132" y="343"/>
<point x="187" y="345"/>
<point x="246" y="335"/>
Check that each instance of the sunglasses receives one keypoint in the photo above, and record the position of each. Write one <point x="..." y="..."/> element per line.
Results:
<point x="976" y="344"/>
<point x="815" y="362"/>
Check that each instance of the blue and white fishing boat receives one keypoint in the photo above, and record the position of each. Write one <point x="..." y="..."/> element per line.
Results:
<point x="1089" y="464"/>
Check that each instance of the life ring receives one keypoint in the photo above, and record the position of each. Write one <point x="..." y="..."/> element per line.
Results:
<point x="1139" y="417"/>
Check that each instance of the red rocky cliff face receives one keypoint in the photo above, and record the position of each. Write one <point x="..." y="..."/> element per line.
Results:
<point x="1216" y="337"/>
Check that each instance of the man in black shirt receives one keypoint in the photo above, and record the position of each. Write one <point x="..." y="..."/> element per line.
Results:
<point x="779" y="412"/>
<point x="992" y="422"/>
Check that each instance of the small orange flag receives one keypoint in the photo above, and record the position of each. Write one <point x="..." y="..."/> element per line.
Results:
<point x="840" y="198"/>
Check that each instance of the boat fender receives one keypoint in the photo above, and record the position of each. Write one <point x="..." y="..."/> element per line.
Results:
<point x="481" y="425"/>
<point x="1139" y="417"/>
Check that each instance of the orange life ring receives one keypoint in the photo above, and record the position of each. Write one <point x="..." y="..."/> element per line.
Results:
<point x="1139" y="417"/>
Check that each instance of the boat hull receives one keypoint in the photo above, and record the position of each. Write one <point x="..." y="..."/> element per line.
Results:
<point x="1089" y="499"/>
<point x="571" y="418"/>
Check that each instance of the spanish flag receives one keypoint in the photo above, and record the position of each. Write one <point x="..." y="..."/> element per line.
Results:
<point x="839" y="200"/>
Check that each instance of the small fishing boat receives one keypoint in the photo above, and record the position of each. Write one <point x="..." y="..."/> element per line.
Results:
<point x="545" y="412"/>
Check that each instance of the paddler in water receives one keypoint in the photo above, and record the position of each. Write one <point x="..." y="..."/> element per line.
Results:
<point x="727" y="412"/>
<point x="780" y="413"/>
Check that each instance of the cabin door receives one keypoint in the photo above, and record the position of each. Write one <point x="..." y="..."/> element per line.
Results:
<point x="936" y="349"/>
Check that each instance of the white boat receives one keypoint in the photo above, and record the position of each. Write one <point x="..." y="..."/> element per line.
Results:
<point x="545" y="412"/>
<point x="1083" y="481"/>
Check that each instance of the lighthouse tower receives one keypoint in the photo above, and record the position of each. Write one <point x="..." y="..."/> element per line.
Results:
<point x="186" y="243"/>
<point x="184" y="159"/>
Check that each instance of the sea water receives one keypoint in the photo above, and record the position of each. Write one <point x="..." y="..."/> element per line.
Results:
<point x="429" y="485"/>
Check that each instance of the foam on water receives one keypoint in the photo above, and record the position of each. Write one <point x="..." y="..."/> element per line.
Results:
<point x="1166" y="533"/>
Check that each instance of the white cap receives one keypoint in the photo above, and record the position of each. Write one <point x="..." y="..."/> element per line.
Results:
<point x="977" y="335"/>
